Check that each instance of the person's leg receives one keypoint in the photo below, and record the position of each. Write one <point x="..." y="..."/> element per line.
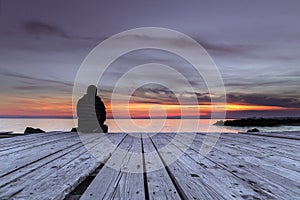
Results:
<point x="104" y="128"/>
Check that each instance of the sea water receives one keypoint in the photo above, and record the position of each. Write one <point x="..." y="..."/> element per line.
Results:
<point x="18" y="125"/>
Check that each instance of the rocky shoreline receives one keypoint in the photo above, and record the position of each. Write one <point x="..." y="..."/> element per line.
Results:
<point x="260" y="122"/>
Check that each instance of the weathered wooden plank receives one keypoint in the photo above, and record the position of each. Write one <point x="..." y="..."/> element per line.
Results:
<point x="187" y="176"/>
<point x="289" y="156"/>
<point x="104" y="184"/>
<point x="275" y="140"/>
<point x="263" y="150"/>
<point x="241" y="166"/>
<point x="257" y="147"/>
<point x="261" y="159"/>
<point x="249" y="138"/>
<point x="216" y="177"/>
<point x="271" y="153"/>
<point x="16" y="182"/>
<point x="116" y="182"/>
<point x="12" y="145"/>
<point x="238" y="187"/>
<point x="65" y="179"/>
<point x="5" y="136"/>
<point x="287" y="146"/>
<point x="50" y="162"/>
<point x="17" y="160"/>
<point x="266" y="180"/>
<point x="35" y="144"/>
<point x="160" y="185"/>
<point x="27" y="137"/>
<point x="131" y="184"/>
<point x="22" y="135"/>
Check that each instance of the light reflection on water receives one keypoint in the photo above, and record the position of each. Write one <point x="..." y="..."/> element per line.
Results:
<point x="171" y="125"/>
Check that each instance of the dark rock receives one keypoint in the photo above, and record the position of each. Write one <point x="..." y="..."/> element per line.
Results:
<point x="33" y="130"/>
<point x="260" y="122"/>
<point x="252" y="130"/>
<point x="219" y="123"/>
<point x="74" y="130"/>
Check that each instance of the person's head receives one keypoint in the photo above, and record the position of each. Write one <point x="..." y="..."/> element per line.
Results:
<point x="92" y="90"/>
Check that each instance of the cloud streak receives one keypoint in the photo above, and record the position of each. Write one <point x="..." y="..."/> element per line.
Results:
<point x="33" y="78"/>
<point x="262" y="99"/>
<point x="39" y="28"/>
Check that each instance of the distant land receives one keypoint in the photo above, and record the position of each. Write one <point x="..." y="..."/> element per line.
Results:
<point x="291" y="121"/>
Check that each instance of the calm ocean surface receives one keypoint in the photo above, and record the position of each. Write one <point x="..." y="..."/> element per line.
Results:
<point x="170" y="125"/>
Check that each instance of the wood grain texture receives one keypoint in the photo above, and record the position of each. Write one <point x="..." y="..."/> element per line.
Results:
<point x="160" y="185"/>
<point x="264" y="180"/>
<point x="240" y="166"/>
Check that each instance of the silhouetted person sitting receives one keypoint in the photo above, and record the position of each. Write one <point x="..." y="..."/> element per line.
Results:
<point x="91" y="112"/>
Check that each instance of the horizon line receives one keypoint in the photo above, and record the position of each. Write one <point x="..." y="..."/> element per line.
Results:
<point x="71" y="117"/>
<point x="172" y="117"/>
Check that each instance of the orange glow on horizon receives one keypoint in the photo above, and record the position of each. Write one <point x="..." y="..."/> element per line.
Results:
<point x="37" y="107"/>
<point x="63" y="107"/>
<point x="142" y="109"/>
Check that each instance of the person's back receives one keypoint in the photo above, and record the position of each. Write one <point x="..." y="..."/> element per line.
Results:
<point x="100" y="110"/>
<point x="91" y="112"/>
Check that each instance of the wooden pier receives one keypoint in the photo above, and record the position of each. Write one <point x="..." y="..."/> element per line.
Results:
<point x="57" y="165"/>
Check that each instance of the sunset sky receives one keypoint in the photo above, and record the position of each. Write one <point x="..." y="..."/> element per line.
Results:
<point x="255" y="45"/>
